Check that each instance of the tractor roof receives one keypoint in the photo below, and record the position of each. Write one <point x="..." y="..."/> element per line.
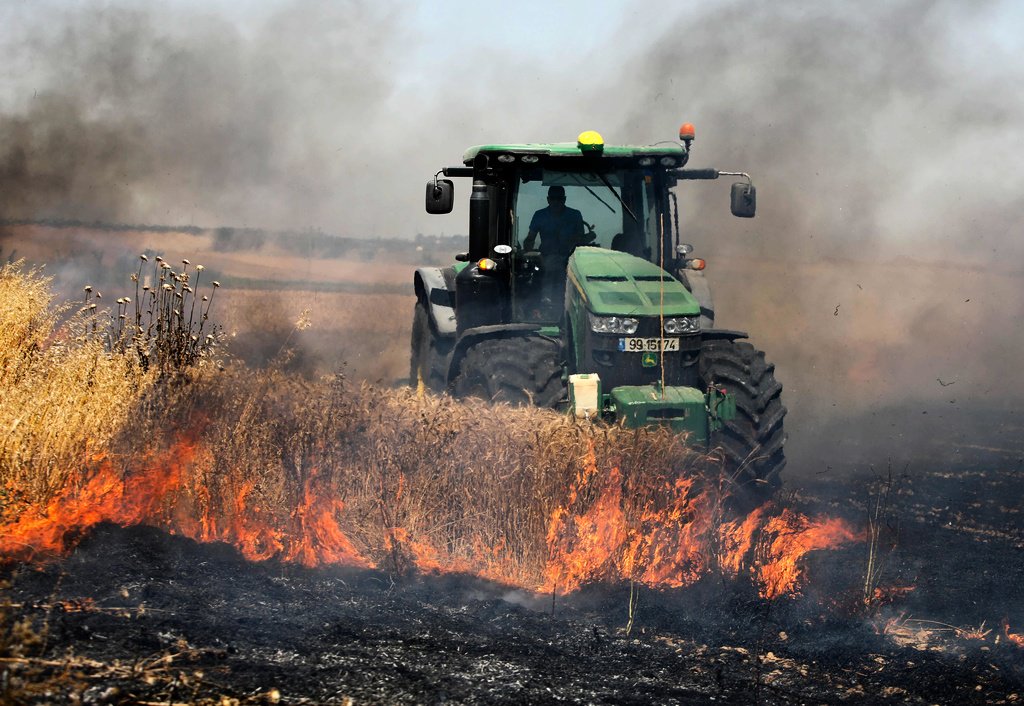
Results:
<point x="572" y="149"/>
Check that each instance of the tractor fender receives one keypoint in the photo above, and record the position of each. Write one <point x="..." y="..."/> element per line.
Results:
<point x="722" y="334"/>
<point x="697" y="284"/>
<point x="432" y="289"/>
<point x="472" y="335"/>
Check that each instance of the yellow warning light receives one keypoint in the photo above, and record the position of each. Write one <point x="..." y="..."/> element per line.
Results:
<point x="487" y="264"/>
<point x="590" y="141"/>
<point x="686" y="132"/>
<point x="697" y="264"/>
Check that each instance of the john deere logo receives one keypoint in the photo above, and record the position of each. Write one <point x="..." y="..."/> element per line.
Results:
<point x="649" y="360"/>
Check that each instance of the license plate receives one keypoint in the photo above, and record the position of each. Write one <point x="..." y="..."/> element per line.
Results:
<point x="647" y="345"/>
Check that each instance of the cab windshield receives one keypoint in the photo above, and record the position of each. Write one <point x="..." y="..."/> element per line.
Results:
<point x="616" y="209"/>
<point x="554" y="212"/>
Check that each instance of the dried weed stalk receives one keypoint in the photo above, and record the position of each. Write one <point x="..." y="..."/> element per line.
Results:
<point x="882" y="533"/>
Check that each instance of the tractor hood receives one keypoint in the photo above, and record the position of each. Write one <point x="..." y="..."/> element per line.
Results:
<point x="613" y="283"/>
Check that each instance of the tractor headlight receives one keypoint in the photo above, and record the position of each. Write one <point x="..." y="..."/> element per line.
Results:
<point x="682" y="325"/>
<point x="613" y="324"/>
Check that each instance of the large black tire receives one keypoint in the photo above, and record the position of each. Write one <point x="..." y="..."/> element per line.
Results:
<point x="752" y="442"/>
<point x="429" y="358"/>
<point x="522" y="370"/>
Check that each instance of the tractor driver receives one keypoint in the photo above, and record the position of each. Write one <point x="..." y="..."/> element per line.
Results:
<point x="560" y="229"/>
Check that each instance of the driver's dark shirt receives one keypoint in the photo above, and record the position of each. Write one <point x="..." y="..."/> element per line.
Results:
<point x="558" y="233"/>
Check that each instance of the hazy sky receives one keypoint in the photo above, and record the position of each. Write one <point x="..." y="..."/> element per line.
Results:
<point x="868" y="119"/>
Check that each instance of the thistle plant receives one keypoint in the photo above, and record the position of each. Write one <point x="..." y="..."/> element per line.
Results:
<point x="167" y="324"/>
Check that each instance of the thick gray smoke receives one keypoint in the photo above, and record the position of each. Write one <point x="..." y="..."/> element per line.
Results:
<point x="147" y="115"/>
<point x="889" y="207"/>
<point x="863" y="126"/>
<point x="879" y="125"/>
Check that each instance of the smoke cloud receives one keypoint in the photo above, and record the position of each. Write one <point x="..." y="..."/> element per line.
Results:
<point x="880" y="126"/>
<point x="885" y="262"/>
<point x="862" y="126"/>
<point x="147" y="115"/>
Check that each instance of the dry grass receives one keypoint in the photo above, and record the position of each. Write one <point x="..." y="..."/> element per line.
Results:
<point x="74" y="376"/>
<point x="297" y="466"/>
<point x="64" y="396"/>
<point x="426" y="480"/>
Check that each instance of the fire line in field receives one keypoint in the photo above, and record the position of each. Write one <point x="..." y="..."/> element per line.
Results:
<point x="674" y="542"/>
<point x="677" y="534"/>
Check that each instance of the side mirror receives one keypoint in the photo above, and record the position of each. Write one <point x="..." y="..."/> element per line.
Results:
<point x="440" y="196"/>
<point x="744" y="200"/>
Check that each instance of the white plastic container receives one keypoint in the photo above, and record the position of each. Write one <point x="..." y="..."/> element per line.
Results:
<point x="585" y="394"/>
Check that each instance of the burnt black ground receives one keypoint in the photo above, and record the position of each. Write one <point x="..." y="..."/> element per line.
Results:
<point x="227" y="627"/>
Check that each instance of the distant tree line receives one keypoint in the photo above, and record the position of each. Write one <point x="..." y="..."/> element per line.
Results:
<point x="99" y="225"/>
<point x="426" y="249"/>
<point x="317" y="244"/>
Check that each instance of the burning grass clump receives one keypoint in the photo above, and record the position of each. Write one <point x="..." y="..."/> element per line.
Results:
<point x="73" y="376"/>
<point x="331" y="471"/>
<point x="318" y="471"/>
<point x="64" y="396"/>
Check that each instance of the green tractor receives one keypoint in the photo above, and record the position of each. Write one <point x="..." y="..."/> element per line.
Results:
<point x="609" y="317"/>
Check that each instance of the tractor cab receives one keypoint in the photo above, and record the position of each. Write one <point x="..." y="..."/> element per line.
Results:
<point x="542" y="201"/>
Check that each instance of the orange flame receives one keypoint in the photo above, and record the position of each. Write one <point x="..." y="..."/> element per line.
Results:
<point x="1014" y="637"/>
<point x="786" y="539"/>
<point x="610" y="527"/>
<point x="582" y="547"/>
<point x="887" y="594"/>
<point x="106" y="496"/>
<point x="312" y="536"/>
<point x="675" y="539"/>
<point x="155" y="495"/>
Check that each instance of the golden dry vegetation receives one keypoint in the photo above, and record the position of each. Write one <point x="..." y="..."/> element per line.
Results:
<point x="278" y="462"/>
<point x="63" y="396"/>
<point x="421" y="479"/>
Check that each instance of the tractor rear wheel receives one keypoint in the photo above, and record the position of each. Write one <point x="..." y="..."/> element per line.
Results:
<point x="752" y="442"/>
<point x="523" y="370"/>
<point x="429" y="359"/>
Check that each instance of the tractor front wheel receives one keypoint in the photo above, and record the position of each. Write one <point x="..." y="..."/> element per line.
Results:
<point x="523" y="370"/>
<point x="752" y="442"/>
<point x="429" y="359"/>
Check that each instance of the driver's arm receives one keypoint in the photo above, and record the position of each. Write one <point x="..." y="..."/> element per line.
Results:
<point x="533" y="232"/>
<point x="578" y="233"/>
<point x="530" y="237"/>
